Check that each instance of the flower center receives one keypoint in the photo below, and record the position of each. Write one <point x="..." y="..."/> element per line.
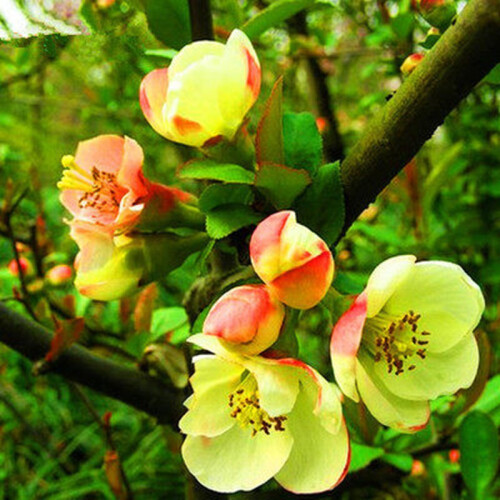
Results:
<point x="245" y="408"/>
<point x="100" y="189"/>
<point x="396" y="340"/>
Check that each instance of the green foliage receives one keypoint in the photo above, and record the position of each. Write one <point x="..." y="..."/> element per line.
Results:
<point x="210" y="170"/>
<point x="278" y="11"/>
<point x="302" y="142"/>
<point x="168" y="20"/>
<point x="479" y="452"/>
<point x="270" y="179"/>
<point x="225" y="219"/>
<point x="326" y="190"/>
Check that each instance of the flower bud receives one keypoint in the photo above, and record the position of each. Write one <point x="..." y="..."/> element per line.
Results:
<point x="247" y="317"/>
<point x="410" y="63"/>
<point x="59" y="275"/>
<point x="111" y="267"/>
<point x="205" y="93"/>
<point x="293" y="261"/>
<point x="438" y="13"/>
<point x="26" y="267"/>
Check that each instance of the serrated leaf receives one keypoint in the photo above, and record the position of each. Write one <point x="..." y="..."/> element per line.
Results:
<point x="321" y="207"/>
<point x="478" y="443"/>
<point x="280" y="184"/>
<point x="275" y="13"/>
<point x="225" y="219"/>
<point x="362" y="456"/>
<point x="168" y="20"/>
<point x="222" y="194"/>
<point x="302" y="142"/>
<point x="269" y="138"/>
<point x="210" y="170"/>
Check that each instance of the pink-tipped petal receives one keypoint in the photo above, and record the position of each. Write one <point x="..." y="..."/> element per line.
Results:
<point x="130" y="174"/>
<point x="152" y="97"/>
<point x="344" y="345"/>
<point x="105" y="152"/>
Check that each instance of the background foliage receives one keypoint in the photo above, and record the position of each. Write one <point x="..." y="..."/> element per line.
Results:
<point x="56" y="90"/>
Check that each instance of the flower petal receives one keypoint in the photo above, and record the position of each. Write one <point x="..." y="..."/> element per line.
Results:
<point x="239" y="84"/>
<point x="385" y="279"/>
<point x="437" y="375"/>
<point x="194" y="53"/>
<point x="319" y="459"/>
<point x="344" y="345"/>
<point x="235" y="460"/>
<point x="278" y="385"/>
<point x="105" y="152"/>
<point x="152" y="97"/>
<point x="209" y="413"/>
<point x="215" y="345"/>
<point x="386" y="407"/>
<point x="450" y="303"/>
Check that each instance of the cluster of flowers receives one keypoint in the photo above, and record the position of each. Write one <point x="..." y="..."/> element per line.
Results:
<point x="122" y="220"/>
<point x="255" y="413"/>
<point x="407" y="339"/>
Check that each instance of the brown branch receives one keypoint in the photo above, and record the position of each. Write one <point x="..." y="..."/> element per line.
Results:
<point x="200" y="15"/>
<point x="462" y="57"/>
<point x="126" y="384"/>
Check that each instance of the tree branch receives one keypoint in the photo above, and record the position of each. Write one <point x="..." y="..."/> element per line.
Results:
<point x="201" y="20"/>
<point x="130" y="386"/>
<point x="465" y="53"/>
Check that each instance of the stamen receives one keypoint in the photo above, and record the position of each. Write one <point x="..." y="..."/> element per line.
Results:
<point x="395" y="340"/>
<point x="245" y="407"/>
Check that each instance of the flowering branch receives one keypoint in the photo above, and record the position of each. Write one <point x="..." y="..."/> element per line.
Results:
<point x="465" y="53"/>
<point x="126" y="384"/>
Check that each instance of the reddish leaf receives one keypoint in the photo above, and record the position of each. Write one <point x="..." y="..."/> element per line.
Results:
<point x="269" y="138"/>
<point x="143" y="311"/>
<point x="113" y="473"/>
<point x="67" y="332"/>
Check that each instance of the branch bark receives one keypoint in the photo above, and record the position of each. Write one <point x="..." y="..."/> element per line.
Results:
<point x="200" y="15"/>
<point x="465" y="53"/>
<point x="107" y="377"/>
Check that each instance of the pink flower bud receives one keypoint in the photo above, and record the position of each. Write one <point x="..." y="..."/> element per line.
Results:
<point x="60" y="274"/>
<point x="410" y="63"/>
<point x="25" y="264"/>
<point x="247" y="317"/>
<point x="417" y="468"/>
<point x="205" y="93"/>
<point x="293" y="261"/>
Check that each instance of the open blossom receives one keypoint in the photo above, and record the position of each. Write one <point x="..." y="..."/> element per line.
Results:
<point x="110" y="267"/>
<point x="252" y="418"/>
<point x="407" y="339"/>
<point x="293" y="261"/>
<point x="104" y="184"/>
<point x="248" y="319"/>
<point x="205" y="92"/>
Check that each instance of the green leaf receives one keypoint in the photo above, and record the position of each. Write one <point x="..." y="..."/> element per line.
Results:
<point x="430" y="41"/>
<point x="362" y="456"/>
<point x="168" y="20"/>
<point x="225" y="219"/>
<point x="325" y="191"/>
<point x="210" y="170"/>
<point x="302" y="142"/>
<point x="223" y="194"/>
<point x="272" y="15"/>
<point x="280" y="184"/>
<point x="402" y="25"/>
<point x="402" y="461"/>
<point x="493" y="77"/>
<point x="478" y="442"/>
<point x="269" y="137"/>
<point x="489" y="401"/>
<point x="168" y="319"/>
<point x="163" y="53"/>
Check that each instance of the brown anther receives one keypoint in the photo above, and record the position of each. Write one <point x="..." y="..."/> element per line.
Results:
<point x="421" y="353"/>
<point x="423" y="342"/>
<point x="414" y="327"/>
<point x="411" y="367"/>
